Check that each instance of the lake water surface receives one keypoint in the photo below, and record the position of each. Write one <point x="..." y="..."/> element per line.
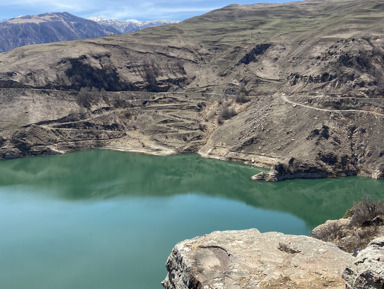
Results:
<point x="102" y="219"/>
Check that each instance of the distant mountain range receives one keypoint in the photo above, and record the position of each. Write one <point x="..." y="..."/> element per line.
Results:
<point x="128" y="26"/>
<point x="54" y="27"/>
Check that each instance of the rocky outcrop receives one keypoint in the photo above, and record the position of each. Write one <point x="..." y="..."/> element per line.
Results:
<point x="250" y="259"/>
<point x="280" y="172"/>
<point x="327" y="166"/>
<point x="367" y="270"/>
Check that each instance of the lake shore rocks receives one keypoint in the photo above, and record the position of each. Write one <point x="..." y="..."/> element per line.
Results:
<point x="250" y="259"/>
<point x="294" y="169"/>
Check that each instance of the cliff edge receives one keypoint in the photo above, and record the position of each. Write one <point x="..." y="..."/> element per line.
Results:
<point x="250" y="259"/>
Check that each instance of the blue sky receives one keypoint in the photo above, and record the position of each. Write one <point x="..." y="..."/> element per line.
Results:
<point x="119" y="9"/>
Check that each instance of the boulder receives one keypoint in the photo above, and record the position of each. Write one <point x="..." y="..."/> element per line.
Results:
<point x="250" y="259"/>
<point x="271" y="176"/>
<point x="367" y="271"/>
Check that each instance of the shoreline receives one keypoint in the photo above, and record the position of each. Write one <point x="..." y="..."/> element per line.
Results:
<point x="275" y="169"/>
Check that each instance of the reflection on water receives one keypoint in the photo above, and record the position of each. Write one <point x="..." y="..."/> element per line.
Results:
<point x="102" y="219"/>
<point x="105" y="174"/>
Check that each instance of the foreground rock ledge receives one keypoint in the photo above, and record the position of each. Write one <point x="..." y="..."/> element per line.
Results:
<point x="250" y="259"/>
<point x="367" y="271"/>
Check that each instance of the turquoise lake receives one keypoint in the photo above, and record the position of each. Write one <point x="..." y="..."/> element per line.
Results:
<point x="103" y="219"/>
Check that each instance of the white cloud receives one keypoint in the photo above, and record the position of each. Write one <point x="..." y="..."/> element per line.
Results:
<point x="149" y="11"/>
<point x="119" y="9"/>
<point x="49" y="5"/>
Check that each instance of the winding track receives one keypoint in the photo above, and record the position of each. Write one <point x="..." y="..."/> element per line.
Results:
<point x="284" y="97"/>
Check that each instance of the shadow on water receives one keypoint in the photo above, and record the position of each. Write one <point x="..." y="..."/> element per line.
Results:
<point x="107" y="174"/>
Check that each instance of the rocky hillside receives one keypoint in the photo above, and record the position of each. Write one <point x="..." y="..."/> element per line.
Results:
<point x="296" y="87"/>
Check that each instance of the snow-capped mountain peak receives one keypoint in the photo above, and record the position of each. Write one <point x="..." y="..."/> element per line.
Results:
<point x="130" y="25"/>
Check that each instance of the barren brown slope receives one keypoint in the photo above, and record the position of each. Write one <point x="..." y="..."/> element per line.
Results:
<point x="296" y="85"/>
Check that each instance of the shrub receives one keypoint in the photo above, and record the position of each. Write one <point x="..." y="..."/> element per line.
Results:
<point x="226" y="113"/>
<point x="83" y="98"/>
<point x="363" y="212"/>
<point x="242" y="98"/>
<point x="88" y="96"/>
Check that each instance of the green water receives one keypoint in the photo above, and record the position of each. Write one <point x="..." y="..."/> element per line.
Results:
<point x="101" y="219"/>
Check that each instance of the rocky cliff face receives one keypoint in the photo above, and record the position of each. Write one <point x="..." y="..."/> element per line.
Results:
<point x="296" y="87"/>
<point x="250" y="259"/>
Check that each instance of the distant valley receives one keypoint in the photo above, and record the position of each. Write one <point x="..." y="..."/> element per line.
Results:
<point x="55" y="27"/>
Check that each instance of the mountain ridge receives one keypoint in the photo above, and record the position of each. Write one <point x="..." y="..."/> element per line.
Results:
<point x="59" y="26"/>
<point x="131" y="25"/>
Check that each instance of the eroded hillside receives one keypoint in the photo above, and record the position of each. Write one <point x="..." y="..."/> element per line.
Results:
<point x="297" y="86"/>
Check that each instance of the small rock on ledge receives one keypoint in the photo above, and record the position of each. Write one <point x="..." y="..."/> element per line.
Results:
<point x="250" y="259"/>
